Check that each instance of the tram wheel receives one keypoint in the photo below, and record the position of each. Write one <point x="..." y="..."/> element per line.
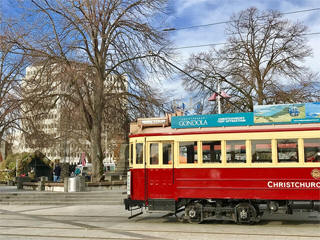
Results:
<point x="193" y="213"/>
<point x="181" y="218"/>
<point x="246" y="213"/>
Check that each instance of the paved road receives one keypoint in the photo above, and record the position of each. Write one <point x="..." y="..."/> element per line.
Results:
<point x="110" y="222"/>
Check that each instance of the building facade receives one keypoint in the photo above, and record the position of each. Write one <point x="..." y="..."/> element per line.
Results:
<point x="55" y="131"/>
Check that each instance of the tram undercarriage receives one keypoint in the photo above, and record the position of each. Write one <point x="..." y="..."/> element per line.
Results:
<point x="238" y="211"/>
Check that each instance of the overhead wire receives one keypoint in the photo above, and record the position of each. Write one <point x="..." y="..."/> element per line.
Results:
<point x="229" y="21"/>
<point x="223" y="43"/>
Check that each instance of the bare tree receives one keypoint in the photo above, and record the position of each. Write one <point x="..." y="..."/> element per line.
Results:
<point x="11" y="66"/>
<point x="88" y="44"/>
<point x="261" y="63"/>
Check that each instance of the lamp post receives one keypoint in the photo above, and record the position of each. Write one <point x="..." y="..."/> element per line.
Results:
<point x="17" y="167"/>
<point x="216" y="97"/>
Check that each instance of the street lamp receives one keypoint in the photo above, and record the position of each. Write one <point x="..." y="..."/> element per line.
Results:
<point x="16" y="167"/>
<point x="216" y="97"/>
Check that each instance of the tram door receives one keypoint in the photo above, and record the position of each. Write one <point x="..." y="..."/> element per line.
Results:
<point x="160" y="170"/>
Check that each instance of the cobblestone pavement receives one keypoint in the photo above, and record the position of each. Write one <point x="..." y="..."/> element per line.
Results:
<point x="111" y="222"/>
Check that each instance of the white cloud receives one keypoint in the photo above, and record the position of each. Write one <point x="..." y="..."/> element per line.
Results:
<point x="183" y="5"/>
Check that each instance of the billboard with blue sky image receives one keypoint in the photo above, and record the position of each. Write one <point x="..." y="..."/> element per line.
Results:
<point x="313" y="110"/>
<point x="287" y="113"/>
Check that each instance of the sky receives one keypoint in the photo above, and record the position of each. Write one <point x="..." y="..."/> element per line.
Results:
<point x="185" y="13"/>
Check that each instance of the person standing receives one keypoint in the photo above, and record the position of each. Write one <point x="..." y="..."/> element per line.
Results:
<point x="56" y="173"/>
<point x="77" y="171"/>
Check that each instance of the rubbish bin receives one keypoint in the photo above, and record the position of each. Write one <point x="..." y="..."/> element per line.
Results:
<point x="76" y="184"/>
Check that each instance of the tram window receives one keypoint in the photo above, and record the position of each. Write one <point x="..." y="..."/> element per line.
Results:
<point x="188" y="152"/>
<point x="287" y="150"/>
<point x="167" y="153"/>
<point x="211" y="152"/>
<point x="131" y="153"/>
<point x="154" y="153"/>
<point x="139" y="153"/>
<point x="261" y="151"/>
<point x="236" y="151"/>
<point x="312" y="150"/>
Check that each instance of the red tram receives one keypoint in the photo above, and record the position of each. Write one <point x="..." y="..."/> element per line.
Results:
<point x="223" y="173"/>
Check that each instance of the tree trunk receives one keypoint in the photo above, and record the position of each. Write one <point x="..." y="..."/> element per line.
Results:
<point x="96" y="152"/>
<point x="260" y="91"/>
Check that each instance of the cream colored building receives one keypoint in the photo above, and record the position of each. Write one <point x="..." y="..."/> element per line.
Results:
<point x="61" y="147"/>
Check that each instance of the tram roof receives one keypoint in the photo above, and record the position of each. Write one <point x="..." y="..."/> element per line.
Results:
<point x="137" y="131"/>
<point x="264" y="118"/>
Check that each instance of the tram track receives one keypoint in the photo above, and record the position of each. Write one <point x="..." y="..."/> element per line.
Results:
<point x="67" y="237"/>
<point x="143" y="231"/>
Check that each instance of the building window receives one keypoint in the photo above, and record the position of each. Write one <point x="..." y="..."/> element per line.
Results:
<point x="261" y="151"/>
<point x="188" y="152"/>
<point x="139" y="153"/>
<point x="236" y="151"/>
<point x="154" y="153"/>
<point x="287" y="150"/>
<point x="211" y="152"/>
<point x="167" y="153"/>
<point x="312" y="150"/>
